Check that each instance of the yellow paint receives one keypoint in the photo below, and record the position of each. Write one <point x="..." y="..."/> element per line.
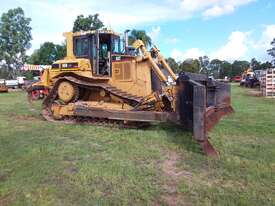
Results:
<point x="66" y="91"/>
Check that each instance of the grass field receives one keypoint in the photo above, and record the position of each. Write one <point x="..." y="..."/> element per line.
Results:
<point x="44" y="163"/>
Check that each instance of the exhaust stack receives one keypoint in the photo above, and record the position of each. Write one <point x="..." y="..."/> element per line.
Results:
<point x="126" y="40"/>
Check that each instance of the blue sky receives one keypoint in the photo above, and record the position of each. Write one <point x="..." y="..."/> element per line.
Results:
<point x="224" y="29"/>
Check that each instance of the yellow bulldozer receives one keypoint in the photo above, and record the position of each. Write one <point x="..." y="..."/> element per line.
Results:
<point x="105" y="80"/>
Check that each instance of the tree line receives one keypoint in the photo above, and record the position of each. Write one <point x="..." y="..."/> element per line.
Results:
<point x="216" y="68"/>
<point x="15" y="38"/>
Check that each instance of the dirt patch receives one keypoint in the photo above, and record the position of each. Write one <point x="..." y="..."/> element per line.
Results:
<point x="172" y="176"/>
<point x="27" y="118"/>
<point x="169" y="166"/>
<point x="7" y="199"/>
<point x="254" y="93"/>
<point x="71" y="168"/>
<point x="4" y="175"/>
<point x="15" y="90"/>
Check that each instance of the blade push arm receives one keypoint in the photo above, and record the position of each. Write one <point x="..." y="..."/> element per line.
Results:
<point x="164" y="63"/>
<point x="138" y="44"/>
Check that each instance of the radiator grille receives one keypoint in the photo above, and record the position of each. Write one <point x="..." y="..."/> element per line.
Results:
<point x="127" y="71"/>
<point x="118" y="71"/>
<point x="122" y="71"/>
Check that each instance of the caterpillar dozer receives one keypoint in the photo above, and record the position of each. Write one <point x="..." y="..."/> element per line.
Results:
<point x="104" y="80"/>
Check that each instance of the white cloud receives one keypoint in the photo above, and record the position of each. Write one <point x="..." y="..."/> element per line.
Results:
<point x="177" y="54"/>
<point x="196" y="5"/>
<point x="154" y="34"/>
<point x="193" y="53"/>
<point x="52" y="18"/>
<point x="267" y="36"/>
<point x="114" y="14"/>
<point x="40" y="38"/>
<point x="260" y="46"/>
<point x="243" y="45"/>
<point x="60" y="15"/>
<point x="239" y="46"/>
<point x="173" y="40"/>
<point x="218" y="11"/>
<point x="235" y="48"/>
<point x="212" y="8"/>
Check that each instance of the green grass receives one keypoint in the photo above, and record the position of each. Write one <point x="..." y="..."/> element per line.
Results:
<point x="44" y="163"/>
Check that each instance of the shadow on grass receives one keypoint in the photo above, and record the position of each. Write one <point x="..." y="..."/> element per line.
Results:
<point x="180" y="136"/>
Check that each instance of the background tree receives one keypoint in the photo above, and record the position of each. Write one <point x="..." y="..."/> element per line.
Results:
<point x="173" y="64"/>
<point x="190" y="65"/>
<point x="271" y="51"/>
<point x="141" y="35"/>
<point x="254" y="64"/>
<point x="204" y="64"/>
<point x="4" y="72"/>
<point x="265" y="65"/>
<point x="225" y="70"/>
<point x="47" y="54"/>
<point x="215" y="68"/>
<point x="15" y="37"/>
<point x="238" y="67"/>
<point x="92" y="22"/>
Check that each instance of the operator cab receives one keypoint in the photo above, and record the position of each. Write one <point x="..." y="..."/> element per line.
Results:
<point x="101" y="47"/>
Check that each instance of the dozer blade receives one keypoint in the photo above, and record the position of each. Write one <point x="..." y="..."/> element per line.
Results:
<point x="201" y="103"/>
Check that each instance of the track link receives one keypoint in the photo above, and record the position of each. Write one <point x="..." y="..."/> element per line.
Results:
<point x="95" y="121"/>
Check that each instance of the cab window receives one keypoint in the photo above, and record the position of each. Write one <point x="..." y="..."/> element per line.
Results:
<point x="103" y="52"/>
<point x="81" y="47"/>
<point x="116" y="46"/>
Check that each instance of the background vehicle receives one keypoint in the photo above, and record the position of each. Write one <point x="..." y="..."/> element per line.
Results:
<point x="21" y="81"/>
<point x="102" y="81"/>
<point x="12" y="83"/>
<point x="250" y="78"/>
<point x="237" y="78"/>
<point x="3" y="87"/>
<point x="39" y="92"/>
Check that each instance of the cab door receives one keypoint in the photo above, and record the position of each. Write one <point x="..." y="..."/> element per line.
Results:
<point x="101" y="54"/>
<point x="95" y="53"/>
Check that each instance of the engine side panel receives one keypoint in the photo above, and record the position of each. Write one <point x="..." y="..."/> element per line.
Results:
<point x="132" y="77"/>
